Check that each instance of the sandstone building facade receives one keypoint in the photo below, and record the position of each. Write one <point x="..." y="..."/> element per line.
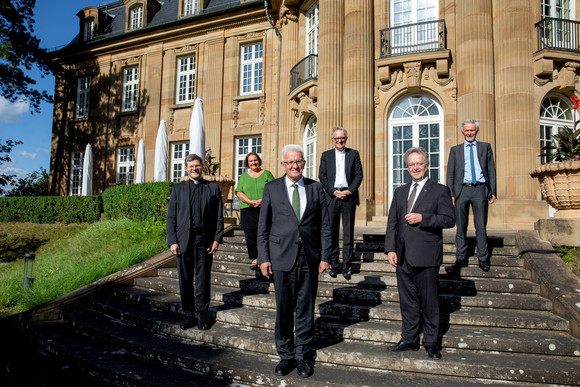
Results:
<point x="394" y="73"/>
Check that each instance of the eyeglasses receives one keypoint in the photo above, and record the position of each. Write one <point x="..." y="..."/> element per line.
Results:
<point x="416" y="165"/>
<point x="339" y="138"/>
<point x="297" y="162"/>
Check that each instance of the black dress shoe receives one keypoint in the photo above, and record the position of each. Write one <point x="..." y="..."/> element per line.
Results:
<point x="483" y="265"/>
<point x="285" y="367"/>
<point x="304" y="369"/>
<point x="189" y="322"/>
<point x="346" y="275"/>
<point x="203" y="324"/>
<point x="402" y="346"/>
<point x="332" y="273"/>
<point x="433" y="351"/>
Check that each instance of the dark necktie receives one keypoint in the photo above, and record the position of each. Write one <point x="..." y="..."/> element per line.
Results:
<point x="296" y="202"/>
<point x="472" y="162"/>
<point x="412" y="198"/>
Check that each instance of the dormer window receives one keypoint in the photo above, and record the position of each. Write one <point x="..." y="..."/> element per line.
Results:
<point x="190" y="7"/>
<point x="136" y="17"/>
<point x="89" y="30"/>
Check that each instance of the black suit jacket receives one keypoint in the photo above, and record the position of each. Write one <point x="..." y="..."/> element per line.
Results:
<point x="179" y="214"/>
<point x="456" y="168"/>
<point x="422" y="243"/>
<point x="353" y="169"/>
<point x="279" y="231"/>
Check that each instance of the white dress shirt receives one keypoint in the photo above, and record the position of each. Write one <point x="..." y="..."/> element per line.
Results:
<point x="340" y="177"/>
<point x="301" y="193"/>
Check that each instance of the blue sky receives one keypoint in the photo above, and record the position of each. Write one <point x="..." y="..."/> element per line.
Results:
<point x="56" y="24"/>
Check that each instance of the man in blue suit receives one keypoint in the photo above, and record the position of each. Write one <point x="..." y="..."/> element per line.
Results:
<point x="294" y="244"/>
<point x="419" y="212"/>
<point x="471" y="178"/>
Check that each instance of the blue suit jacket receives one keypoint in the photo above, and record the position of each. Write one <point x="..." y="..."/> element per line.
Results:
<point x="279" y="232"/>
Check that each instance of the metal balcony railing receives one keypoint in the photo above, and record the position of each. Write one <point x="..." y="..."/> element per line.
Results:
<point x="412" y="38"/>
<point x="560" y="34"/>
<point x="304" y="70"/>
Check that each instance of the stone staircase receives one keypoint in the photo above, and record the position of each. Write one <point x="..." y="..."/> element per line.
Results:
<point x="495" y="327"/>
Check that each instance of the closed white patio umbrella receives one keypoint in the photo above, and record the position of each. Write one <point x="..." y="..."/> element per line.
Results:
<point x="197" y="130"/>
<point x="87" y="183"/>
<point x="140" y="175"/>
<point x="160" y="168"/>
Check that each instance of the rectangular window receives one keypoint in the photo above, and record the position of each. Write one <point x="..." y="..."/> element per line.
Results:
<point x="245" y="145"/>
<point x="76" y="173"/>
<point x="125" y="165"/>
<point x="89" y="30"/>
<point x="179" y="152"/>
<point x="312" y="30"/>
<point x="190" y="7"/>
<point x="83" y="94"/>
<point x="185" y="79"/>
<point x="130" y="88"/>
<point x="136" y="18"/>
<point x="251" y="68"/>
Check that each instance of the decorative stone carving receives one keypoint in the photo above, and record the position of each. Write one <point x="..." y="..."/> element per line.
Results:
<point x="412" y="74"/>
<point x="171" y="120"/>
<point x="262" y="110"/>
<point x="184" y="49"/>
<point x="288" y="13"/>
<point x="236" y="113"/>
<point x="395" y="77"/>
<point x="567" y="74"/>
<point x="432" y="73"/>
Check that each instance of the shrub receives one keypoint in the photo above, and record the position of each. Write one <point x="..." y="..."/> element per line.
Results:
<point x="140" y="202"/>
<point x="51" y="209"/>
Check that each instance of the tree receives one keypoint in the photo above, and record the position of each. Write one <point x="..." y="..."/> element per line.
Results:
<point x="34" y="184"/>
<point x="5" y="149"/>
<point x="20" y="52"/>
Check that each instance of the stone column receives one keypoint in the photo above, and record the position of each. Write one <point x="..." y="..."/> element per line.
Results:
<point x="358" y="93"/>
<point x="475" y="78"/>
<point x="330" y="59"/>
<point x="289" y="31"/>
<point x="516" y="126"/>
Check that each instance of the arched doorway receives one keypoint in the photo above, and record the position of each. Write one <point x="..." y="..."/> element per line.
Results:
<point x="309" y="142"/>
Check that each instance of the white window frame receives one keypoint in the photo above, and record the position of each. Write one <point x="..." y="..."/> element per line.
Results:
<point x="190" y="7"/>
<point x="310" y="141"/>
<point x="179" y="151"/>
<point x="126" y="164"/>
<point x="83" y="97"/>
<point x="251" y="68"/>
<point x="136" y="17"/>
<point x="185" y="86"/>
<point x="415" y="115"/>
<point x="245" y="145"/>
<point x="559" y="9"/>
<point x="130" y="88"/>
<point x="89" y="29"/>
<point x="407" y="12"/>
<point x="555" y="113"/>
<point x="76" y="173"/>
<point x="312" y="24"/>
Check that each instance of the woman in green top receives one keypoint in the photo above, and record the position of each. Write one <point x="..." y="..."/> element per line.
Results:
<point x="249" y="190"/>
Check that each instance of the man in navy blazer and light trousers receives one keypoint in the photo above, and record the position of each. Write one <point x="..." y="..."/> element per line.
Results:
<point x="294" y="246"/>
<point x="414" y="245"/>
<point x="471" y="178"/>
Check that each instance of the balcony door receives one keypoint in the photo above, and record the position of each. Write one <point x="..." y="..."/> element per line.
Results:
<point x="415" y="120"/>
<point x="556" y="29"/>
<point x="414" y="34"/>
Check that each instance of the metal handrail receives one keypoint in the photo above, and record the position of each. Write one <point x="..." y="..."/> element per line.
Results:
<point x="560" y="34"/>
<point x="303" y="71"/>
<point x="412" y="38"/>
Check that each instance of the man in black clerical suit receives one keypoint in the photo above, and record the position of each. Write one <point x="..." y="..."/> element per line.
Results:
<point x="294" y="246"/>
<point x="195" y="227"/>
<point x="471" y="178"/>
<point x="341" y="173"/>
<point x="419" y="212"/>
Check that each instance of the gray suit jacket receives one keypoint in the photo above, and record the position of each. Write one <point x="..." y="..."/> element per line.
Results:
<point x="456" y="168"/>
<point x="179" y="214"/>
<point x="279" y="232"/>
<point x="421" y="243"/>
<point x="353" y="169"/>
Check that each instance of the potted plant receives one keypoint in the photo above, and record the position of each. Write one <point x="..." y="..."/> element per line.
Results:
<point x="560" y="177"/>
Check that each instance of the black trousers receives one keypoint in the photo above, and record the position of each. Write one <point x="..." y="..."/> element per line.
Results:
<point x="295" y="292"/>
<point x="418" y="297"/>
<point x="346" y="209"/>
<point x="195" y="263"/>
<point x="476" y="197"/>
<point x="251" y="235"/>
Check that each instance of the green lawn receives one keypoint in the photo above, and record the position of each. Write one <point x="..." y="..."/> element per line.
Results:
<point x="69" y="257"/>
<point x="571" y="258"/>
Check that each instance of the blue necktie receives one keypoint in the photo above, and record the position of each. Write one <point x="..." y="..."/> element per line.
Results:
<point x="472" y="162"/>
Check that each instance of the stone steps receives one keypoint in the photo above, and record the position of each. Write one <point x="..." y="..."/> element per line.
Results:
<point x="458" y="362"/>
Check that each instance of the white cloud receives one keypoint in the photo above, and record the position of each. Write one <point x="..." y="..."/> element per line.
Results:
<point x="28" y="155"/>
<point x="11" y="112"/>
<point x="8" y="170"/>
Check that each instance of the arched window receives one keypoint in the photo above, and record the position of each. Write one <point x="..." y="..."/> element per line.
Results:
<point x="555" y="113"/>
<point x="310" y="148"/>
<point x="415" y="120"/>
